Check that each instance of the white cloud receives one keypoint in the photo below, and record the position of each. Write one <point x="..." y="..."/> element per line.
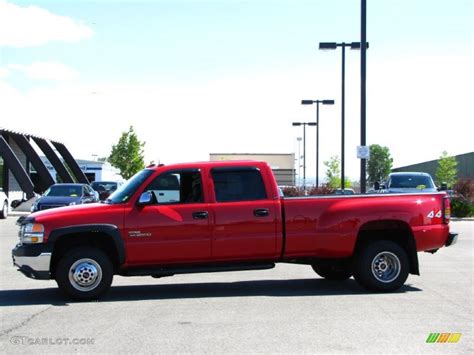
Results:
<point x="46" y="71"/>
<point x="33" y="26"/>
<point x="4" y="72"/>
<point x="414" y="116"/>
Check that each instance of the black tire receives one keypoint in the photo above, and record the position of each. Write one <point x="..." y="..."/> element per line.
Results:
<point x="4" y="212"/>
<point x="333" y="272"/>
<point x="382" y="266"/>
<point x="85" y="273"/>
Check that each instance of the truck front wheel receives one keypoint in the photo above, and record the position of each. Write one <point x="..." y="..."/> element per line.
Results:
<point x="84" y="274"/>
<point x="332" y="272"/>
<point x="382" y="266"/>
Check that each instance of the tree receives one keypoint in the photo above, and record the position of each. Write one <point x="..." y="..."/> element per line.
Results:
<point x="127" y="154"/>
<point x="333" y="173"/>
<point x="447" y="170"/>
<point x="379" y="164"/>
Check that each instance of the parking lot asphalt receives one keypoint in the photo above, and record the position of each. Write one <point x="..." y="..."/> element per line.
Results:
<point x="287" y="309"/>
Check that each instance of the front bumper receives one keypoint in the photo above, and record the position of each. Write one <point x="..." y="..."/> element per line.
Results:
<point x="33" y="260"/>
<point x="452" y="239"/>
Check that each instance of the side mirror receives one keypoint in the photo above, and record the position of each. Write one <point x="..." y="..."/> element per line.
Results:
<point x="444" y="186"/>
<point x="145" y="199"/>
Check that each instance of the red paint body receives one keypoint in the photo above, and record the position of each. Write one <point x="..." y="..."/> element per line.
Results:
<point x="322" y="227"/>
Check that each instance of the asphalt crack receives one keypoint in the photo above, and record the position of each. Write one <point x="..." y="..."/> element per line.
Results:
<point x="25" y="322"/>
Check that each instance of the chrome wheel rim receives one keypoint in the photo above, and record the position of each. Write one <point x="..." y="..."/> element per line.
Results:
<point x="85" y="275"/>
<point x="386" y="267"/>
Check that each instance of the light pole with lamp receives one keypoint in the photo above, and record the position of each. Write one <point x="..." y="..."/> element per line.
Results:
<point x="332" y="46"/>
<point x="317" y="102"/>
<point x="304" y="124"/>
<point x="299" y="139"/>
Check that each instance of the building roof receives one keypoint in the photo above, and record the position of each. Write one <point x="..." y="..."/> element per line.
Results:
<point x="465" y="166"/>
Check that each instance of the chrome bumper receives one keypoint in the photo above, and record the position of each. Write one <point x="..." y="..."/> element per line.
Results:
<point x="31" y="265"/>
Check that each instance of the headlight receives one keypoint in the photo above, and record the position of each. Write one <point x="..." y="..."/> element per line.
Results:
<point x="32" y="233"/>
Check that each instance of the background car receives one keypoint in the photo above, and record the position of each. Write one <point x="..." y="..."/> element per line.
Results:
<point x="346" y="191"/>
<point x="406" y="182"/>
<point x="3" y="204"/>
<point x="60" y="195"/>
<point x="104" y="188"/>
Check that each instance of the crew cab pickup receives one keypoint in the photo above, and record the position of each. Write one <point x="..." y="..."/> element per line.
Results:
<point x="228" y="216"/>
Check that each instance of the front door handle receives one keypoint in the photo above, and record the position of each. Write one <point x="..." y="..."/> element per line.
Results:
<point x="261" y="212"/>
<point x="200" y="215"/>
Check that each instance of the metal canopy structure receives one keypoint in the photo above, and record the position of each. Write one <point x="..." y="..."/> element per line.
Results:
<point x="53" y="159"/>
<point x="18" y="153"/>
<point x="46" y="179"/>
<point x="71" y="162"/>
<point x="16" y="168"/>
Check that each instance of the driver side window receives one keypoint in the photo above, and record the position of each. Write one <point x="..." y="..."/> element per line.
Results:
<point x="177" y="187"/>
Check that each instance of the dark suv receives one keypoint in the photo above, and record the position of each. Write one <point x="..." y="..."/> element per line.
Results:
<point x="60" y="195"/>
<point x="104" y="188"/>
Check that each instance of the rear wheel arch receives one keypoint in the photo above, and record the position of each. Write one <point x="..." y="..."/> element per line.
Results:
<point x="106" y="238"/>
<point x="394" y="230"/>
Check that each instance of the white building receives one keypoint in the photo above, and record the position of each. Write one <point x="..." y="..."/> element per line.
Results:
<point x="94" y="170"/>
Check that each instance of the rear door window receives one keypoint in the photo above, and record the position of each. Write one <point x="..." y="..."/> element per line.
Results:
<point x="238" y="184"/>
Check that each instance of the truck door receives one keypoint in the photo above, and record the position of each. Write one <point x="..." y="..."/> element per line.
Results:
<point x="245" y="219"/>
<point x="176" y="228"/>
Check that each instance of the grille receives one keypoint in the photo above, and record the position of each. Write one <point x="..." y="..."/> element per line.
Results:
<point x="47" y="207"/>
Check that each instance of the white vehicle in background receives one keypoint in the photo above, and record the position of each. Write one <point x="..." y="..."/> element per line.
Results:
<point x="3" y="204"/>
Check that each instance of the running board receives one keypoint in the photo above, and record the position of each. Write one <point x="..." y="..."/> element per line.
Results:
<point x="189" y="269"/>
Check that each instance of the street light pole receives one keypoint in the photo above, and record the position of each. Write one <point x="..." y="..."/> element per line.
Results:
<point x="343" y="45"/>
<point x="317" y="144"/>
<point x="304" y="124"/>
<point x="363" y="39"/>
<point x="343" y="109"/>
<point x="317" y="102"/>
<point x="299" y="158"/>
<point x="304" y="156"/>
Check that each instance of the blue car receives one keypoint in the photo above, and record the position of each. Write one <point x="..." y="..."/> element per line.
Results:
<point x="60" y="195"/>
<point x="409" y="182"/>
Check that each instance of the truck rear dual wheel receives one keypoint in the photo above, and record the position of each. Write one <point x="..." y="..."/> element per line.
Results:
<point x="84" y="274"/>
<point x="332" y="272"/>
<point x="382" y="266"/>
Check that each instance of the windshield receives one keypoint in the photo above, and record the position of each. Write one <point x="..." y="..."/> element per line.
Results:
<point x="411" y="182"/>
<point x="64" y="190"/>
<point x="126" y="191"/>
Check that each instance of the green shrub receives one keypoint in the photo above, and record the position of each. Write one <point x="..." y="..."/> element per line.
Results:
<point x="461" y="207"/>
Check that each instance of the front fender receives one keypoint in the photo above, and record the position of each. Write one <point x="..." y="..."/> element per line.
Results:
<point x="109" y="229"/>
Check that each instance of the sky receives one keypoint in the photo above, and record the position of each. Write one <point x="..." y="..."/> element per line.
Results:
<point x="199" y="77"/>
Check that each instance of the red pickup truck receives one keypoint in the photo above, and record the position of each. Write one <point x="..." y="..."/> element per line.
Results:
<point x="228" y="216"/>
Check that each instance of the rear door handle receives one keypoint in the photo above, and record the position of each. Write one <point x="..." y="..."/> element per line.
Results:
<point x="261" y="212"/>
<point x="200" y="215"/>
